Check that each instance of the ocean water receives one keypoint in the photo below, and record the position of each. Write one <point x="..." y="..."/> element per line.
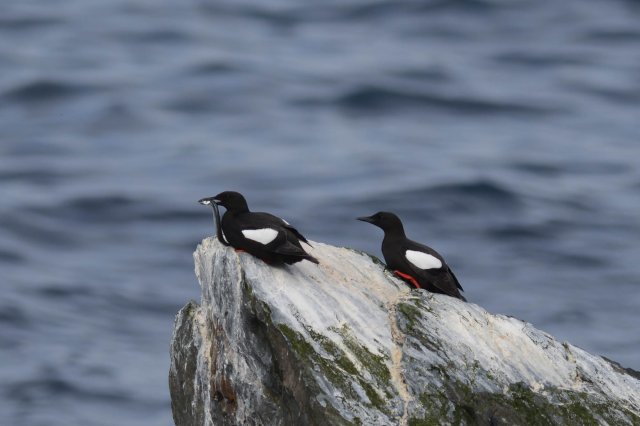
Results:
<point x="504" y="133"/>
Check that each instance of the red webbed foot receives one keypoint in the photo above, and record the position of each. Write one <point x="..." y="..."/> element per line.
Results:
<point x="408" y="278"/>
<point x="240" y="251"/>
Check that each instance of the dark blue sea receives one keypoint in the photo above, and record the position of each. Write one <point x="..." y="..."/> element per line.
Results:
<point x="506" y="134"/>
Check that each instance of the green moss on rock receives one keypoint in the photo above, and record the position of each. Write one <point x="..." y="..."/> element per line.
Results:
<point x="375" y="364"/>
<point x="458" y="404"/>
<point x="339" y="369"/>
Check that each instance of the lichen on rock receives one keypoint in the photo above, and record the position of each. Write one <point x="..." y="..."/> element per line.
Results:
<point x="344" y="342"/>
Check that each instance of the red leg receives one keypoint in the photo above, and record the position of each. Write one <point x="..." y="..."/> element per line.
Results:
<point x="408" y="278"/>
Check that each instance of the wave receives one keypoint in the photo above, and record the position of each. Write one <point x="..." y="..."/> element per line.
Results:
<point x="484" y="189"/>
<point x="10" y="256"/>
<point x="541" y="60"/>
<point x="41" y="230"/>
<point x="611" y="35"/>
<point x="535" y="168"/>
<point x="36" y="176"/>
<point x="287" y="16"/>
<point x="29" y="389"/>
<point x="621" y="95"/>
<point x="116" y="209"/>
<point x="384" y="99"/>
<point x="213" y="67"/>
<point x="46" y="90"/>
<point x="517" y="232"/>
<point x="13" y="315"/>
<point x="162" y="35"/>
<point x="435" y="201"/>
<point x="28" y="22"/>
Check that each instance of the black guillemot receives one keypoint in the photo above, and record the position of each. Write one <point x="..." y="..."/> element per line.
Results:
<point x="418" y="265"/>
<point x="263" y="235"/>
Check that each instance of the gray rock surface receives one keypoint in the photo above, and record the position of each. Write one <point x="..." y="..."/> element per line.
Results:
<point x="347" y="343"/>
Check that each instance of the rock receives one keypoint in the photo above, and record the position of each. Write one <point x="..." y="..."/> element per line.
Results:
<point x="347" y="343"/>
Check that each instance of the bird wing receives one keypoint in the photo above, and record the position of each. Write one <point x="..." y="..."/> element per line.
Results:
<point x="455" y="279"/>
<point x="412" y="245"/>
<point x="442" y="277"/>
<point x="298" y="234"/>
<point x="268" y="217"/>
<point x="254" y="224"/>
<point x="289" y="249"/>
<point x="263" y="236"/>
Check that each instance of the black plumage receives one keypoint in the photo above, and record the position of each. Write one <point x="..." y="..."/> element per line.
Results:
<point x="261" y="234"/>
<point x="418" y="265"/>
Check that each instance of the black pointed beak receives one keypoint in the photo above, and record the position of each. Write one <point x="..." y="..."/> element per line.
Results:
<point x="366" y="219"/>
<point x="207" y="201"/>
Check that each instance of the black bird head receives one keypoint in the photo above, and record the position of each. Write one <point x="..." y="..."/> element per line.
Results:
<point x="232" y="201"/>
<point x="213" y="202"/>
<point x="385" y="220"/>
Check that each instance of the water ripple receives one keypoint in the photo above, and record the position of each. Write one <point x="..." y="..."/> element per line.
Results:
<point x="384" y="99"/>
<point x="28" y="22"/>
<point x="46" y="90"/>
<point x="613" y="35"/>
<point x="432" y="200"/>
<point x="115" y="208"/>
<point x="30" y="390"/>
<point x="13" y="315"/>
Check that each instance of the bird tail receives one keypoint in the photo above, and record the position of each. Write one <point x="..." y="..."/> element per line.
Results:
<point x="311" y="259"/>
<point x="291" y="250"/>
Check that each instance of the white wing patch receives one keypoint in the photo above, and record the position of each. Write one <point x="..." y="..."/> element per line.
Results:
<point x="263" y="236"/>
<point x="423" y="260"/>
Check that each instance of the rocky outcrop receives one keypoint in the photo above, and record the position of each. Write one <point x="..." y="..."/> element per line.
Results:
<point x="344" y="342"/>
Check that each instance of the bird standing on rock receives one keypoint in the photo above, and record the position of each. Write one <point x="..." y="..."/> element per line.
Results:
<point x="263" y="235"/>
<point x="418" y="265"/>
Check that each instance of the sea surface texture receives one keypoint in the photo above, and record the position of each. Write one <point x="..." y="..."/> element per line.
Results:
<point x="504" y="133"/>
